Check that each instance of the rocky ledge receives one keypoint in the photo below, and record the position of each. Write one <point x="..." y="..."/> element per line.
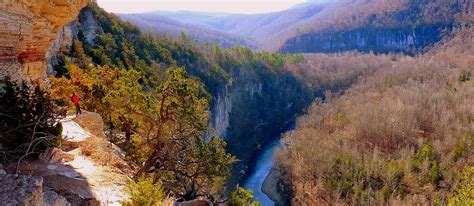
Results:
<point x="27" y="190"/>
<point x="21" y="190"/>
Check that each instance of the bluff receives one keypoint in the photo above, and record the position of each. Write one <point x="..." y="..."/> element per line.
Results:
<point x="378" y="26"/>
<point x="27" y="30"/>
<point x="378" y="40"/>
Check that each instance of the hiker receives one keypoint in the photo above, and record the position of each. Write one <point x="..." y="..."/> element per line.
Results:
<point x="75" y="100"/>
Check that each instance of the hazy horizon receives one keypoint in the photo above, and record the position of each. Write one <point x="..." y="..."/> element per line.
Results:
<point x="213" y="6"/>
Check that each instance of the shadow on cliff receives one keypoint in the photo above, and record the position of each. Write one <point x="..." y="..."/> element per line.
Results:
<point x="62" y="170"/>
<point x="62" y="179"/>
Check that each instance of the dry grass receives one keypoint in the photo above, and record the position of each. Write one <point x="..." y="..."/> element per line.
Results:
<point x="104" y="153"/>
<point x="91" y="122"/>
<point x="98" y="147"/>
<point x="401" y="135"/>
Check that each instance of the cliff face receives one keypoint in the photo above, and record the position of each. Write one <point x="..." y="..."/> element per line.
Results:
<point x="378" y="26"/>
<point x="62" y="44"/>
<point x="220" y="112"/>
<point x="378" y="40"/>
<point x="248" y="113"/>
<point x="226" y="98"/>
<point x="27" y="30"/>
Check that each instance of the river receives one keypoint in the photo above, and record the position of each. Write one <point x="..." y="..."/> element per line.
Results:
<point x="263" y="164"/>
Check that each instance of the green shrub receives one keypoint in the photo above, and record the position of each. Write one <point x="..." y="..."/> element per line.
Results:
<point x="463" y="148"/>
<point x="386" y="191"/>
<point x="341" y="116"/>
<point x="145" y="192"/>
<point x="427" y="156"/>
<point x="434" y="175"/>
<point x="464" y="76"/>
<point x="458" y="151"/>
<point x="242" y="197"/>
<point x="344" y="175"/>
<point x="389" y="82"/>
<point x="395" y="170"/>
<point x="28" y="125"/>
<point x="464" y="191"/>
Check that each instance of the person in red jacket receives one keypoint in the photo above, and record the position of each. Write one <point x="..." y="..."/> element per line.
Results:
<point x="75" y="100"/>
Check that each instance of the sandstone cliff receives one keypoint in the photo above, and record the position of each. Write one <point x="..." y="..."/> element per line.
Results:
<point x="27" y="30"/>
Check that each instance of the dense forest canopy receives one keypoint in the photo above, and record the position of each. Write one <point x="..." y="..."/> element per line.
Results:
<point x="402" y="134"/>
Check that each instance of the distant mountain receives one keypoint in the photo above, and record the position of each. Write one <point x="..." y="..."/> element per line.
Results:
<point x="312" y="2"/>
<point x="379" y="26"/>
<point x="169" y="27"/>
<point x="262" y="28"/>
<point x="206" y="19"/>
<point x="323" y="25"/>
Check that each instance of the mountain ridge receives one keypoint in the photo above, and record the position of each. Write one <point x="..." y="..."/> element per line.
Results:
<point x="281" y="31"/>
<point x="164" y="26"/>
<point x="256" y="27"/>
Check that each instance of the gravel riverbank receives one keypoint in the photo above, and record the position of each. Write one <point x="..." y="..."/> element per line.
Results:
<point x="270" y="188"/>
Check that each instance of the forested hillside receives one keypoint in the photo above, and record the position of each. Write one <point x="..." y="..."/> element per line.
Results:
<point x="401" y="135"/>
<point x="378" y="26"/>
<point x="163" y="26"/>
<point x="259" y="28"/>
<point x="252" y="96"/>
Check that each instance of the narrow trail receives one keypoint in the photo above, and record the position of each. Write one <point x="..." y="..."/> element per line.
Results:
<point x="72" y="131"/>
<point x="106" y="185"/>
<point x="71" y="173"/>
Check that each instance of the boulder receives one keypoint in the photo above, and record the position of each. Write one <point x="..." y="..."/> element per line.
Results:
<point x="28" y="191"/>
<point x="52" y="198"/>
<point x="92" y="122"/>
<point x="21" y="190"/>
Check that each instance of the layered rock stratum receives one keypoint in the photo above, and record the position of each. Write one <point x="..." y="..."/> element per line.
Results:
<point x="27" y="30"/>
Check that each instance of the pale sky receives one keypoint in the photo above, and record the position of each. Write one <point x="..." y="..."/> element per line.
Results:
<point x="226" y="6"/>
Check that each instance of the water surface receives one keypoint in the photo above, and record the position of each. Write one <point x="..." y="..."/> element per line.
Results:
<point x="263" y="164"/>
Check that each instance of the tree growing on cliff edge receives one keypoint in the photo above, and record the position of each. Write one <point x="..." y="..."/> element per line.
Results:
<point x="178" y="154"/>
<point x="28" y="124"/>
<point x="171" y="124"/>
